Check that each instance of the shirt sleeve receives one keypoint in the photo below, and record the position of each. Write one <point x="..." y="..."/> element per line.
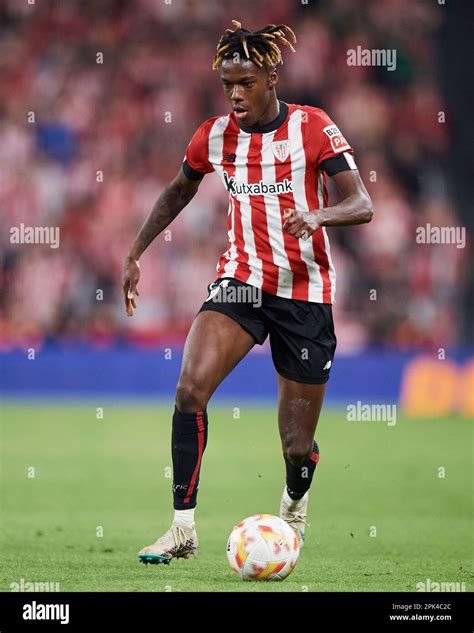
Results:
<point x="196" y="161"/>
<point x="335" y="164"/>
<point x="335" y="154"/>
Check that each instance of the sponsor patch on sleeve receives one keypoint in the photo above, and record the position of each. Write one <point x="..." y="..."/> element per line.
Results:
<point x="338" y="142"/>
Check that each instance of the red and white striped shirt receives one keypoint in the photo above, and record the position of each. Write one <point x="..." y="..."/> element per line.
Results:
<point x="266" y="171"/>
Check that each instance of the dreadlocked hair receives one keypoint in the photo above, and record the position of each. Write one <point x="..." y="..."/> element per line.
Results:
<point x="260" y="47"/>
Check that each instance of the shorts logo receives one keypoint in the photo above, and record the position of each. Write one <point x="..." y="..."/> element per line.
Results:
<point x="338" y="142"/>
<point x="221" y="292"/>
<point x="215" y="287"/>
<point x="281" y="149"/>
<point x="327" y="365"/>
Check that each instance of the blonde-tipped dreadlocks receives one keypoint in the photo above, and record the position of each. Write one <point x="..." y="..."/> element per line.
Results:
<point x="260" y="46"/>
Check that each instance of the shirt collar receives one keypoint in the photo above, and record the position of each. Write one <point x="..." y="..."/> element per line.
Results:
<point x="269" y="127"/>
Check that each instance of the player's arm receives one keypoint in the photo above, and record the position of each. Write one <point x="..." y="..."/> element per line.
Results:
<point x="354" y="208"/>
<point x="334" y="156"/>
<point x="171" y="201"/>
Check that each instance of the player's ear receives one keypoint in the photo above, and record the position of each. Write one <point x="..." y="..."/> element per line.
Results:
<point x="272" y="78"/>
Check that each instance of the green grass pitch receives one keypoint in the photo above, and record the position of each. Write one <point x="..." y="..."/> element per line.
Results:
<point x="114" y="473"/>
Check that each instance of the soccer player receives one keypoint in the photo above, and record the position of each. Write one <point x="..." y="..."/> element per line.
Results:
<point x="273" y="158"/>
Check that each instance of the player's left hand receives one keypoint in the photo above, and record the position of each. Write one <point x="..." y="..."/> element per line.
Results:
<point x="301" y="224"/>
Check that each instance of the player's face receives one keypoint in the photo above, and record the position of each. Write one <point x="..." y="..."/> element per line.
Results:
<point x="248" y="88"/>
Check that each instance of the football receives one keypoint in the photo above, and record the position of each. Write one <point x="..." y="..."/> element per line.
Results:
<point x="262" y="547"/>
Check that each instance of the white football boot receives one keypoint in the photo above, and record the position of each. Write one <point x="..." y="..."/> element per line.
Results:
<point x="294" y="513"/>
<point x="178" y="542"/>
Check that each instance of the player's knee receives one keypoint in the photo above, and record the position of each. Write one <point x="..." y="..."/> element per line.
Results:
<point x="190" y="397"/>
<point x="297" y="454"/>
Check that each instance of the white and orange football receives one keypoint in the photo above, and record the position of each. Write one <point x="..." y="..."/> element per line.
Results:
<point x="262" y="547"/>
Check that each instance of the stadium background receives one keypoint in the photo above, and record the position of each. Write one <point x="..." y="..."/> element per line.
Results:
<point x="116" y="89"/>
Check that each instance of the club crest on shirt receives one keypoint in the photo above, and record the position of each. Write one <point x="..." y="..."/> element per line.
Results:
<point x="281" y="149"/>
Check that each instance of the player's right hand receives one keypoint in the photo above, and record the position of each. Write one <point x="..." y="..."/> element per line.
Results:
<point x="131" y="276"/>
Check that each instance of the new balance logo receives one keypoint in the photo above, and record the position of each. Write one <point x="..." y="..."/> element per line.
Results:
<point x="256" y="188"/>
<point x="229" y="158"/>
<point x="328" y="365"/>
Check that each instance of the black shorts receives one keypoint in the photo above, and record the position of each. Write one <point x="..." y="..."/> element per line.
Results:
<point x="302" y="337"/>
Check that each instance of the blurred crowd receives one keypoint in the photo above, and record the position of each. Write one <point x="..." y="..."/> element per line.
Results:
<point x="98" y="101"/>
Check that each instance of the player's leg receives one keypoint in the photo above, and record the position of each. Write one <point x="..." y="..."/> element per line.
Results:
<point x="299" y="406"/>
<point x="214" y="346"/>
<point x="303" y="344"/>
<point x="222" y="334"/>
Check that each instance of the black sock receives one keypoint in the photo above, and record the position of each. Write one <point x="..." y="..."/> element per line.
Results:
<point x="298" y="478"/>
<point x="188" y="441"/>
